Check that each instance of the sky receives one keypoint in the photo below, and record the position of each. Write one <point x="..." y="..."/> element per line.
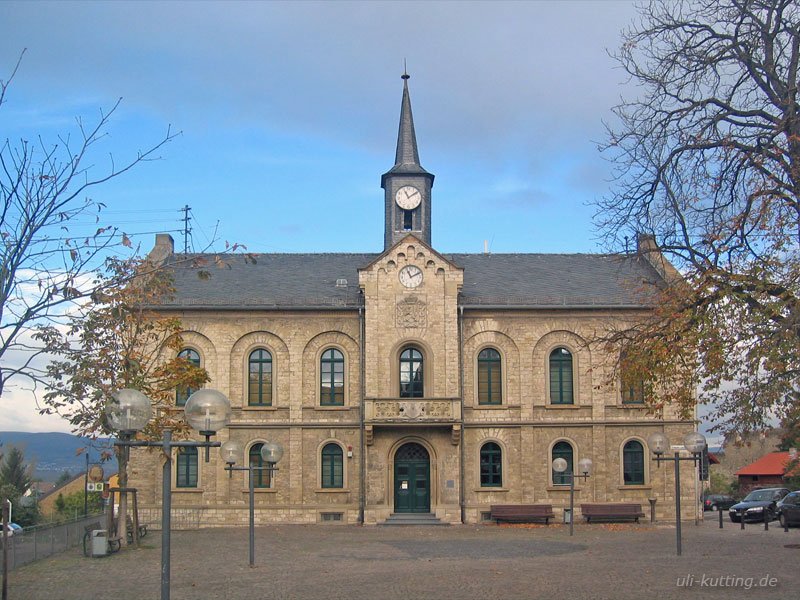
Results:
<point x="287" y="116"/>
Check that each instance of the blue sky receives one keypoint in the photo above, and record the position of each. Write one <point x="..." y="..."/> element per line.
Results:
<point x="289" y="113"/>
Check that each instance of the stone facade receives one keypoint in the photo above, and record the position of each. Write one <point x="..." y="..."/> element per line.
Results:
<point x="448" y="320"/>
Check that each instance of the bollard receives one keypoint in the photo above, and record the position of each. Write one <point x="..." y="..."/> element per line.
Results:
<point x="742" y="521"/>
<point x="719" y="510"/>
<point x="785" y="525"/>
<point x="652" y="502"/>
<point x="766" y="519"/>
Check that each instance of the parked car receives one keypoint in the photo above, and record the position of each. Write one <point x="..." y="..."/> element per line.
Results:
<point x="718" y="502"/>
<point x="754" y="505"/>
<point x="17" y="528"/>
<point x="789" y="510"/>
<point x="11" y="529"/>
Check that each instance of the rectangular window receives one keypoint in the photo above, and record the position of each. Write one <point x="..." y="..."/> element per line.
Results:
<point x="186" y="476"/>
<point x="408" y="220"/>
<point x="632" y="392"/>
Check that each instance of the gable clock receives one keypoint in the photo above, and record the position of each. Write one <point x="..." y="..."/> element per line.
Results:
<point x="410" y="276"/>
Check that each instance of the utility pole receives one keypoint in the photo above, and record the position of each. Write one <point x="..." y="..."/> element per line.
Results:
<point x="186" y="229"/>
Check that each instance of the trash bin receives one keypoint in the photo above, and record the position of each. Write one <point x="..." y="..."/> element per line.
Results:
<point x="99" y="543"/>
<point x="567" y="515"/>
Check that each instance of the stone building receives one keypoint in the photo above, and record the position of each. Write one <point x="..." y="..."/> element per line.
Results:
<point x="413" y="381"/>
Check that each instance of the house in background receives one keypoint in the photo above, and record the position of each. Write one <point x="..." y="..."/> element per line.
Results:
<point x="768" y="471"/>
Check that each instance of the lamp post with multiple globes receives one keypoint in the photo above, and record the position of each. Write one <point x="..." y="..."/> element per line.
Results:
<point x="585" y="466"/>
<point x="695" y="443"/>
<point x="233" y="452"/>
<point x="128" y="412"/>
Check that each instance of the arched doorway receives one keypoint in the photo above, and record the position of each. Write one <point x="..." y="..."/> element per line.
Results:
<point x="412" y="474"/>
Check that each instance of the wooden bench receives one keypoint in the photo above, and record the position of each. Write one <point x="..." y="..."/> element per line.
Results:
<point x="522" y="513"/>
<point x="129" y="529"/>
<point x="612" y="512"/>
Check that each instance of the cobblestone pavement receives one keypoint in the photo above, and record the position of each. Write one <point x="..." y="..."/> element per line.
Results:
<point x="614" y="561"/>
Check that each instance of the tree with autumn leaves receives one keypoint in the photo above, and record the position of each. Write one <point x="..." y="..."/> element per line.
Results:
<point x="114" y="342"/>
<point x="707" y="164"/>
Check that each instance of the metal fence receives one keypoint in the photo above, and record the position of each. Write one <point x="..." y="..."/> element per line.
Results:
<point x="35" y="543"/>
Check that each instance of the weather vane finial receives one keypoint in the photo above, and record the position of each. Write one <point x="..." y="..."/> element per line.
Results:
<point x="405" y="71"/>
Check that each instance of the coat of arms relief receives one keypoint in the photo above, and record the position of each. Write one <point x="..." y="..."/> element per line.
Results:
<point x="411" y="312"/>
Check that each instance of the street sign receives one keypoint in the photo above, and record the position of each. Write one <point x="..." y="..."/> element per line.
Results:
<point x="96" y="473"/>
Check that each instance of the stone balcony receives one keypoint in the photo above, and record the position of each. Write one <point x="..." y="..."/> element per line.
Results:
<point x="412" y="411"/>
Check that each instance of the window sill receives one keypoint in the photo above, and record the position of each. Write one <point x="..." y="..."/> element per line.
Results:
<point x="632" y="405"/>
<point x="257" y="407"/>
<point x="563" y="406"/>
<point x="494" y="406"/>
<point x="183" y="490"/>
<point x="635" y="487"/>
<point x="562" y="488"/>
<point x="332" y="491"/>
<point x="491" y="489"/>
<point x="260" y="490"/>
<point x="320" y="407"/>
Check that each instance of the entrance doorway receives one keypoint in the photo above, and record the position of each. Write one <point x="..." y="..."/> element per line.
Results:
<point x="412" y="474"/>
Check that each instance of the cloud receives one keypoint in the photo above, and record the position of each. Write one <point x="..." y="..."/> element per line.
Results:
<point x="489" y="74"/>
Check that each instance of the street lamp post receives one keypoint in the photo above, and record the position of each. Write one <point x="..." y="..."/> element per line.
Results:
<point x="694" y="442"/>
<point x="233" y="452"/>
<point x="559" y="466"/>
<point x="128" y="411"/>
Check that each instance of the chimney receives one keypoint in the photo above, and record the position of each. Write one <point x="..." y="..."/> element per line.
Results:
<point x="647" y="248"/>
<point x="792" y="453"/>
<point x="164" y="248"/>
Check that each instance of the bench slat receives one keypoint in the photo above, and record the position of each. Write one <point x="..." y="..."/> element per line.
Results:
<point x="522" y="512"/>
<point x="620" y="510"/>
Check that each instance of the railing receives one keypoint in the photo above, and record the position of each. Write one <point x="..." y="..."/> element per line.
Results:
<point x="412" y="410"/>
<point x="35" y="543"/>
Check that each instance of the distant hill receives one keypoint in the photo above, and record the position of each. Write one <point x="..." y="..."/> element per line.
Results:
<point x="51" y="454"/>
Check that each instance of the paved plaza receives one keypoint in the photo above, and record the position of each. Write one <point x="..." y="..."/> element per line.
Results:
<point x="614" y="561"/>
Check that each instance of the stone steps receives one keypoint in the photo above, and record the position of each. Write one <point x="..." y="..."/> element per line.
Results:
<point x="406" y="519"/>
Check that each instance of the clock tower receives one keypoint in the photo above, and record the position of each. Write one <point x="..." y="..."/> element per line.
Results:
<point x="407" y="186"/>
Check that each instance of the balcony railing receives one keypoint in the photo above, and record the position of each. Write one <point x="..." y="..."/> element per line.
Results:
<point x="412" y="410"/>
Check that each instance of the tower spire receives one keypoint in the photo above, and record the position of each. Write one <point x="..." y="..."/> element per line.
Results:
<point x="407" y="185"/>
<point x="407" y="152"/>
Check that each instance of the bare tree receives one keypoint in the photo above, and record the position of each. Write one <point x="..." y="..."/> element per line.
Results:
<point x="708" y="164"/>
<point x="44" y="267"/>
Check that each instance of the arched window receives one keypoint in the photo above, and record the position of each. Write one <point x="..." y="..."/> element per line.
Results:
<point x="491" y="465"/>
<point x="632" y="385"/>
<point x="259" y="390"/>
<point x="186" y="475"/>
<point x="411" y="374"/>
<point x="562" y="450"/>
<point x="182" y="393"/>
<point x="332" y="466"/>
<point x="331" y="375"/>
<point x="561" y="376"/>
<point x="633" y="463"/>
<point x="490" y="388"/>
<point x="261" y="477"/>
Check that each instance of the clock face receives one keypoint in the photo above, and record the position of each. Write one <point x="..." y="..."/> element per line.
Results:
<point x="410" y="276"/>
<point x="408" y="197"/>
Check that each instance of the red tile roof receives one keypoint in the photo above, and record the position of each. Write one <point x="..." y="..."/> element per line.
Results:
<point x="773" y="463"/>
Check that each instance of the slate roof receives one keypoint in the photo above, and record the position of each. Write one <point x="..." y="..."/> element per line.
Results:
<point x="308" y="281"/>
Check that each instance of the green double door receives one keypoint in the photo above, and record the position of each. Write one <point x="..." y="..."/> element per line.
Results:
<point x="412" y="474"/>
